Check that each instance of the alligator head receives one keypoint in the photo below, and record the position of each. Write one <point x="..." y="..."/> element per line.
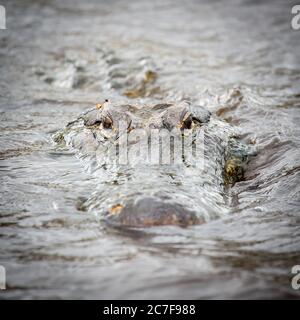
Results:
<point x="157" y="165"/>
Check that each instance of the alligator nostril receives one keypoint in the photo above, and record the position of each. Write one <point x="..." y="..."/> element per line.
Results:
<point x="116" y="209"/>
<point x="147" y="212"/>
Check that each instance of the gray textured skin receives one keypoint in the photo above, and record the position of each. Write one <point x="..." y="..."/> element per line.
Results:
<point x="142" y="196"/>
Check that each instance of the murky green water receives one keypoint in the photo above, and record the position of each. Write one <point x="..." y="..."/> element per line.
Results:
<point x="57" y="58"/>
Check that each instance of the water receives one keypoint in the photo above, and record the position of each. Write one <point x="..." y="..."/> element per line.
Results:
<point x="58" y="58"/>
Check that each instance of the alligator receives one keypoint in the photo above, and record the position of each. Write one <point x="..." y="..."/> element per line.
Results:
<point x="190" y="189"/>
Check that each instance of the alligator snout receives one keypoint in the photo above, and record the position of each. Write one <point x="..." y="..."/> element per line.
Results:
<point x="148" y="212"/>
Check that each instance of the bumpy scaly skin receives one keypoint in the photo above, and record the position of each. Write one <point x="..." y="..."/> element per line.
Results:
<point x="95" y="131"/>
<point x="234" y="170"/>
<point x="236" y="160"/>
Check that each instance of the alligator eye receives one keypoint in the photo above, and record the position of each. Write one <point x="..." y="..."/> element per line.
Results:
<point x="107" y="123"/>
<point x="186" y="121"/>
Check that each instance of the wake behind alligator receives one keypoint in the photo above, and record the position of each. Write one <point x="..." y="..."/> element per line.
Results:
<point x="192" y="155"/>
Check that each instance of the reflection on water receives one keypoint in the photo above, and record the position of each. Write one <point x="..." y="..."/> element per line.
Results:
<point x="59" y="58"/>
